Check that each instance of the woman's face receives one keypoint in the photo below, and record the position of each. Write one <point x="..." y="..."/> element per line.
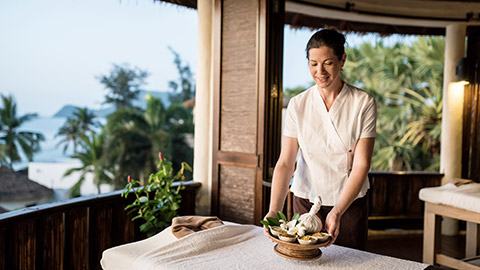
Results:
<point x="325" y="66"/>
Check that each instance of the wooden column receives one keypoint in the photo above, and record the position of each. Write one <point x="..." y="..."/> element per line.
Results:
<point x="240" y="118"/>
<point x="471" y="114"/>
<point x="202" y="158"/>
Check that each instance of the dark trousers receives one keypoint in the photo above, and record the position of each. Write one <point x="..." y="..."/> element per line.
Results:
<point x="353" y="224"/>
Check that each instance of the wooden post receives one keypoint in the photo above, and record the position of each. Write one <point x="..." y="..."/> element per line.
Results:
<point x="472" y="239"/>
<point x="431" y="232"/>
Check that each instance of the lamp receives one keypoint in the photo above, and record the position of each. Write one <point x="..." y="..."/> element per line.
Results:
<point x="462" y="70"/>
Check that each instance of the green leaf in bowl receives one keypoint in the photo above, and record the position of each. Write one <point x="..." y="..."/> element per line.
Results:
<point x="273" y="221"/>
<point x="265" y="223"/>
<point x="280" y="215"/>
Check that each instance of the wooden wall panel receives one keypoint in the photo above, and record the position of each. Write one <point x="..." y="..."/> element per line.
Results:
<point x="394" y="202"/>
<point x="3" y="249"/>
<point x="72" y="235"/>
<point x="100" y="225"/>
<point x="236" y="194"/>
<point x="378" y="197"/>
<point x="52" y="241"/>
<point x="25" y="245"/>
<point x="238" y="121"/>
<point x="471" y="112"/>
<point x="76" y="238"/>
<point x="126" y="232"/>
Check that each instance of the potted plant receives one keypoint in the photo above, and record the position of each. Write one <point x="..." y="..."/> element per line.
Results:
<point x="156" y="203"/>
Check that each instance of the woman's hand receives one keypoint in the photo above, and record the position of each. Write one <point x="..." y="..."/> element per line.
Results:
<point x="272" y="214"/>
<point x="332" y="225"/>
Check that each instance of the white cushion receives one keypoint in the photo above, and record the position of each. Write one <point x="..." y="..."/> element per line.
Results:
<point x="464" y="197"/>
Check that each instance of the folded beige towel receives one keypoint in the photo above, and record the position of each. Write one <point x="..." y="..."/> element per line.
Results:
<point x="185" y="225"/>
<point x="460" y="181"/>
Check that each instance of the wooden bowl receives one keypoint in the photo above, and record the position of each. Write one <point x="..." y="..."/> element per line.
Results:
<point x="296" y="251"/>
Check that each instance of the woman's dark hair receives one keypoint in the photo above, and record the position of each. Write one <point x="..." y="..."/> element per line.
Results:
<point x="330" y="38"/>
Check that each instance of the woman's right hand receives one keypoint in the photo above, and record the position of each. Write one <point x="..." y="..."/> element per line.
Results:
<point x="272" y="214"/>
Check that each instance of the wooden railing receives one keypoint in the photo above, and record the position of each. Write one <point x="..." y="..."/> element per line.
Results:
<point x="72" y="234"/>
<point x="394" y="201"/>
<point x="393" y="198"/>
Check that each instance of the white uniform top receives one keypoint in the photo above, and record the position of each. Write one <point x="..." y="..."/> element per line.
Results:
<point x="327" y="140"/>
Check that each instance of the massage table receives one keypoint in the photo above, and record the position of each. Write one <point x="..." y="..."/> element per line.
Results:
<point x="461" y="201"/>
<point x="235" y="246"/>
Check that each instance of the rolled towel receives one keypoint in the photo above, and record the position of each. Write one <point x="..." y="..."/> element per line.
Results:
<point x="310" y="220"/>
<point x="185" y="225"/>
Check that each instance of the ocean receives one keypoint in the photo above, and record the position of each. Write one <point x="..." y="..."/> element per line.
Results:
<point x="49" y="152"/>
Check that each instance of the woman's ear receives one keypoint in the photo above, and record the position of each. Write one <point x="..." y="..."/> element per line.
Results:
<point x="344" y="58"/>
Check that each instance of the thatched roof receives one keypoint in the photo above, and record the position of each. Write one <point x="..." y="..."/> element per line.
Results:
<point x="415" y="10"/>
<point x="185" y="3"/>
<point x="15" y="186"/>
<point x="296" y="20"/>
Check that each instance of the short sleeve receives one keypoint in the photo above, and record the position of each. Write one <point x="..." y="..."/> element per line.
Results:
<point x="369" y="119"/>
<point x="290" y="128"/>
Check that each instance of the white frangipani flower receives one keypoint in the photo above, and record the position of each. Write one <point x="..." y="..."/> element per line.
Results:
<point x="301" y="230"/>
<point x="292" y="224"/>
<point x="283" y="224"/>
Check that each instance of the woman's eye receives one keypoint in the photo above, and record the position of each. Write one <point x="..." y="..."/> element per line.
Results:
<point x="328" y="63"/>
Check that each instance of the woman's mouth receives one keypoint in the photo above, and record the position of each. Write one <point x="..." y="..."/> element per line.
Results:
<point x="323" y="78"/>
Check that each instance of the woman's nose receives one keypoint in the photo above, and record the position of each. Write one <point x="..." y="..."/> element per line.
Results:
<point x="320" y="69"/>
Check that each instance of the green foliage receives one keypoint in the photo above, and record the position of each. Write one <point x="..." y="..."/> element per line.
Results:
<point x="406" y="82"/>
<point x="12" y="140"/>
<point x="124" y="84"/>
<point x="135" y="138"/>
<point x="157" y="202"/>
<point x="270" y="221"/>
<point x="185" y="85"/>
<point x="91" y="156"/>
<point x="291" y="92"/>
<point x="80" y="124"/>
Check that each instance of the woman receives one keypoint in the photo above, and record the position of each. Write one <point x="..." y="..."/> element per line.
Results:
<point x="333" y="124"/>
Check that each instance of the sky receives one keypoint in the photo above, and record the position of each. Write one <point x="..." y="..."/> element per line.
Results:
<point x="53" y="51"/>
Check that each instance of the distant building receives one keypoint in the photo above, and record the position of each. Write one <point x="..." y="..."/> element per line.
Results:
<point x="52" y="176"/>
<point x="17" y="191"/>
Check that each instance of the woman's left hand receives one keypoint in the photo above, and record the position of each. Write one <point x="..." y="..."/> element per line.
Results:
<point x="332" y="225"/>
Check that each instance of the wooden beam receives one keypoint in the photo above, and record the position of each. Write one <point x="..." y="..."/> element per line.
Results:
<point x="454" y="263"/>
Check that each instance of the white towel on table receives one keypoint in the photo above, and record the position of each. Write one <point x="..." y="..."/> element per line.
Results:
<point x="465" y="196"/>
<point x="245" y="247"/>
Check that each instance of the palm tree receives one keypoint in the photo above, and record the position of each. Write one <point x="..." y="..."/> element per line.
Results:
<point x="11" y="139"/>
<point x="136" y="137"/>
<point x="85" y="119"/>
<point x="407" y="84"/>
<point x="80" y="124"/>
<point x="70" y="131"/>
<point x="91" y="156"/>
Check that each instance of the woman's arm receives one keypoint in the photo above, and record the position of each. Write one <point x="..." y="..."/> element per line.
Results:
<point x="283" y="174"/>
<point x="361" y="166"/>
